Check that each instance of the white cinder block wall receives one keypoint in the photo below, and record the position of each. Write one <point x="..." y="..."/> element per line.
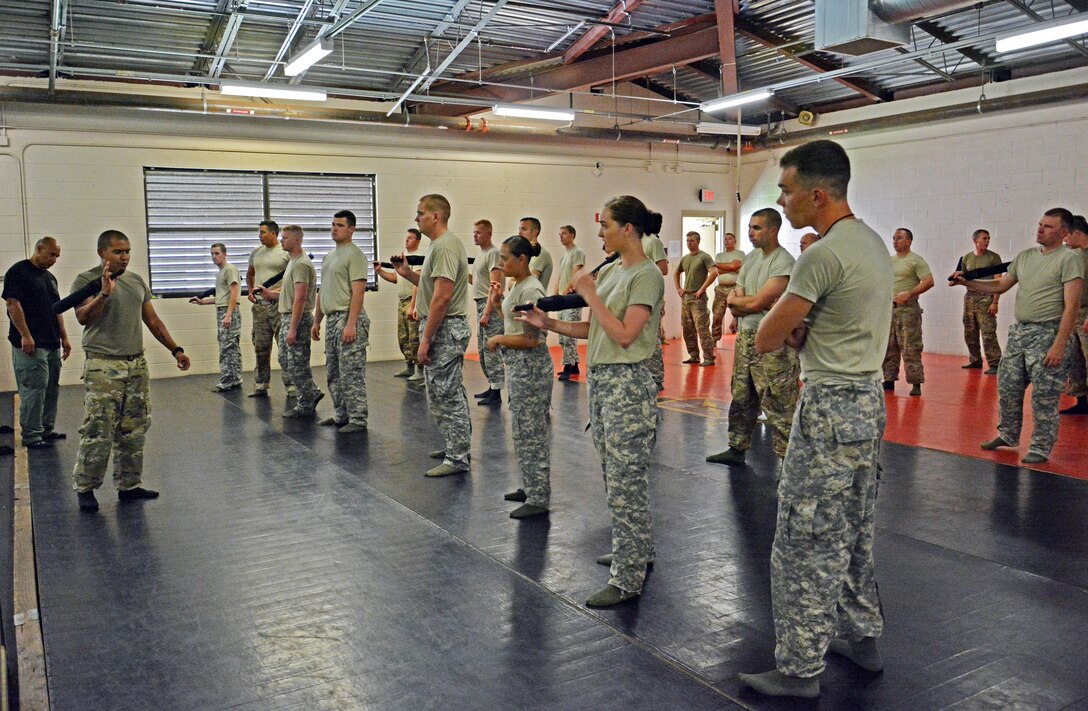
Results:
<point x="73" y="176"/>
<point x="945" y="181"/>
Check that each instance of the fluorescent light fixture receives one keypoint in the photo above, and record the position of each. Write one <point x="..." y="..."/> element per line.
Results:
<point x="1043" y="33"/>
<point x="725" y="129"/>
<point x="271" y="91"/>
<point x="318" y="50"/>
<point x="736" y="100"/>
<point x="533" y="112"/>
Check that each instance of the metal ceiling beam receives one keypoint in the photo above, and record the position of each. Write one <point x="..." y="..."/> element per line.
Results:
<point x="289" y="40"/>
<point x="931" y="67"/>
<point x="330" y="21"/>
<point x="645" y="60"/>
<point x="57" y="29"/>
<point x="944" y="36"/>
<point x="1022" y="7"/>
<point x="764" y="36"/>
<point x="226" y="40"/>
<point x="665" y="92"/>
<point x="465" y="42"/>
<point x="1078" y="5"/>
<point x="727" y="46"/>
<point x="451" y="17"/>
<point x="620" y="12"/>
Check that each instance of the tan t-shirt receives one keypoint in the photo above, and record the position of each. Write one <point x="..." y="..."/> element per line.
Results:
<point x="447" y="259"/>
<point x="118" y="329"/>
<point x="1084" y="291"/>
<point x="267" y="262"/>
<point x="542" y="263"/>
<point x="300" y="270"/>
<point x="846" y="276"/>
<point x="481" y="271"/>
<point x="754" y="273"/>
<point x="1041" y="278"/>
<point x="654" y="249"/>
<point x="979" y="261"/>
<point x="910" y="270"/>
<point x="733" y="255"/>
<point x="339" y="268"/>
<point x="227" y="275"/>
<point x="619" y="288"/>
<point x="696" y="268"/>
<point x="405" y="287"/>
<point x="572" y="258"/>
<point x="528" y="290"/>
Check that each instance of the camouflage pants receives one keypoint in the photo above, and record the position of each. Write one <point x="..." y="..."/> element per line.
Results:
<point x="345" y="367"/>
<point x="117" y="413"/>
<point x="266" y="327"/>
<point x="570" y="345"/>
<point x="767" y="382"/>
<point x="446" y="396"/>
<point x="295" y="361"/>
<point x="655" y="364"/>
<point x="905" y="341"/>
<point x="721" y="293"/>
<point x="977" y="322"/>
<point x="230" y="347"/>
<point x="623" y="422"/>
<point x="1023" y="364"/>
<point x="822" y="571"/>
<point x="529" y="374"/>
<point x="407" y="331"/>
<point x="490" y="362"/>
<point x="695" y="320"/>
<point x="1078" y="367"/>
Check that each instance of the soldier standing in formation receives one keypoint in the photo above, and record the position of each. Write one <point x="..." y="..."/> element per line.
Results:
<point x="912" y="279"/>
<point x="117" y="406"/>
<point x="979" y="309"/>
<point x="728" y="264"/>
<point x="1078" y="373"/>
<point x="485" y="272"/>
<point x="655" y="252"/>
<point x="624" y="308"/>
<point x="700" y="272"/>
<point x="572" y="262"/>
<point x="529" y="370"/>
<point x="265" y="261"/>
<point x="228" y="320"/>
<point x="407" y="318"/>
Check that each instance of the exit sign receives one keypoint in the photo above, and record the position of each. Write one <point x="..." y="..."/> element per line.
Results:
<point x="706" y="196"/>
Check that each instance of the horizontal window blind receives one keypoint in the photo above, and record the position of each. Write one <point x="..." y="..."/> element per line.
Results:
<point x="189" y="210"/>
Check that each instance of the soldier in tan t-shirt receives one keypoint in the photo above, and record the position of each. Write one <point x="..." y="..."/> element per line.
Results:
<point x="1078" y="373"/>
<point x="913" y="278"/>
<point x="979" y="309"/>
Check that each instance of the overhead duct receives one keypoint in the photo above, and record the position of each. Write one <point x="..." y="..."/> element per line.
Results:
<point x="897" y="11"/>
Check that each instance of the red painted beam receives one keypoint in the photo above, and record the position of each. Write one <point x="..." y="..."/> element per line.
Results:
<point x="618" y="14"/>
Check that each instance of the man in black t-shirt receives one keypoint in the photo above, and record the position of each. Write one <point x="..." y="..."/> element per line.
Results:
<point x="37" y="338"/>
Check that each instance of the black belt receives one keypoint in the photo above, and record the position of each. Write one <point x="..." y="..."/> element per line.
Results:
<point x="134" y="356"/>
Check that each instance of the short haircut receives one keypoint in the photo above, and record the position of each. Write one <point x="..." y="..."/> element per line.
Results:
<point x="820" y="164"/>
<point x="437" y="203"/>
<point x="771" y="216"/>
<point x="570" y="228"/>
<point x="694" y="234"/>
<point x="220" y="246"/>
<point x="1080" y="224"/>
<point x="295" y="230"/>
<point x="1064" y="215"/>
<point x="910" y="235"/>
<point x="730" y="234"/>
<point x="106" y="238"/>
<point x="486" y="224"/>
<point x="978" y="233"/>
<point x="532" y="221"/>
<point x="414" y="231"/>
<point x="45" y="243"/>
<point x="348" y="216"/>
<point x="271" y="225"/>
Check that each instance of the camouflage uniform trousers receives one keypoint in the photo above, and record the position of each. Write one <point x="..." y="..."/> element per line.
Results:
<point x="345" y="367"/>
<point x="529" y="375"/>
<point x="295" y="361"/>
<point x="266" y="328"/>
<point x="822" y="571"/>
<point x="1023" y="364"/>
<point x="721" y="294"/>
<point x="570" y="345"/>
<point x="446" y="396"/>
<point x="695" y="320"/>
<point x="623" y="422"/>
<point x="117" y="413"/>
<point x="977" y="322"/>
<point x="767" y="382"/>
<point x="230" y="347"/>
<point x="906" y="341"/>
<point x="407" y="331"/>
<point x="490" y="361"/>
<point x="1078" y="368"/>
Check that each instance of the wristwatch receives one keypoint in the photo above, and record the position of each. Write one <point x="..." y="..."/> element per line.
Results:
<point x="177" y="350"/>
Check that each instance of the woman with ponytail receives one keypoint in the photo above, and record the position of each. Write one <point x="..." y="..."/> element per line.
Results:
<point x="528" y="376"/>
<point x="624" y="312"/>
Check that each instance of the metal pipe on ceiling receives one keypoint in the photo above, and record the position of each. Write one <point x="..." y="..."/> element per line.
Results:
<point x="54" y="41"/>
<point x="897" y="11"/>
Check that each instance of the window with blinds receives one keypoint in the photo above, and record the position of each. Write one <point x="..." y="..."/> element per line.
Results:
<point x="190" y="210"/>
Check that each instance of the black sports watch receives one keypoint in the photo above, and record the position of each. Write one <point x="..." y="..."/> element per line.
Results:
<point x="177" y="350"/>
